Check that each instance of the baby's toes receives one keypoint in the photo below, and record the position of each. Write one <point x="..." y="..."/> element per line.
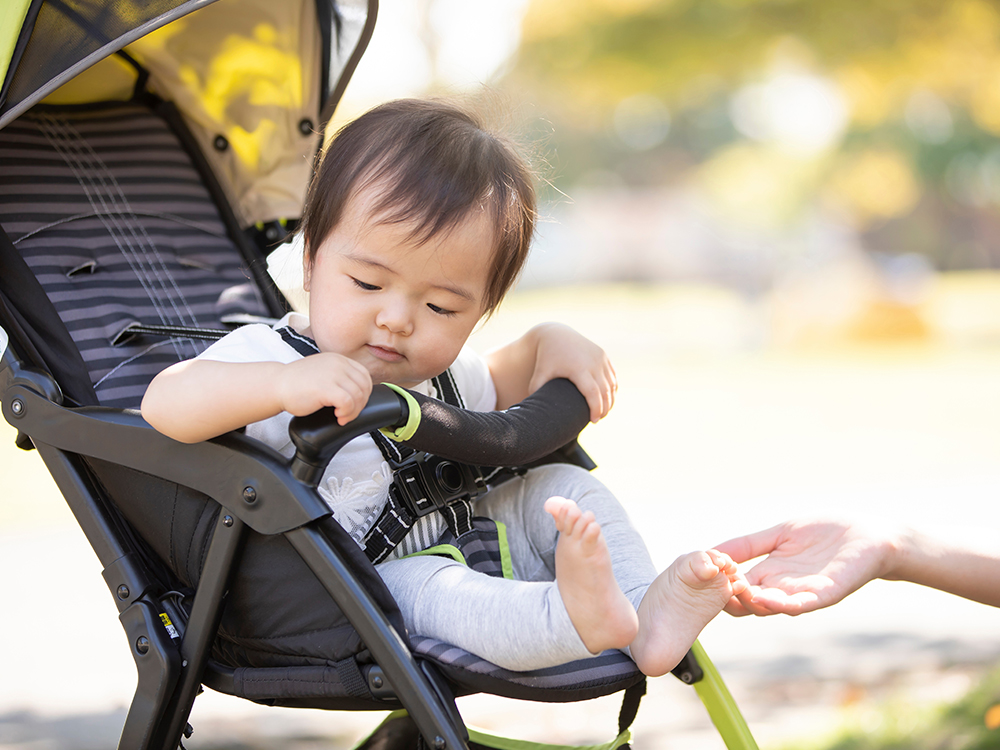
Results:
<point x="723" y="561"/>
<point x="574" y="522"/>
<point x="565" y="512"/>
<point x="556" y="507"/>
<point x="702" y="566"/>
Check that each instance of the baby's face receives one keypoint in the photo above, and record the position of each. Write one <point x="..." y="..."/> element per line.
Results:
<point x="402" y="309"/>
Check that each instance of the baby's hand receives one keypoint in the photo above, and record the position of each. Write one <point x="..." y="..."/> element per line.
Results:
<point x="564" y="353"/>
<point x="325" y="379"/>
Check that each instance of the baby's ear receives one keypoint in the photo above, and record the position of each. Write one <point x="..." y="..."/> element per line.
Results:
<point x="306" y="268"/>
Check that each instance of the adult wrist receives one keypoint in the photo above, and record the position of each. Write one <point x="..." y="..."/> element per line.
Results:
<point x="898" y="550"/>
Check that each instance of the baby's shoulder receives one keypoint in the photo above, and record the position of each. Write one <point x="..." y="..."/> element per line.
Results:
<point x="257" y="342"/>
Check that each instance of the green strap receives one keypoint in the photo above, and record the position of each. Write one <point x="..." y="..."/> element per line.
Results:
<point x="722" y="709"/>
<point x="442" y="550"/>
<point x="12" y="15"/>
<point x="506" y="564"/>
<point x="506" y="743"/>
<point x="409" y="429"/>
<point x="450" y="550"/>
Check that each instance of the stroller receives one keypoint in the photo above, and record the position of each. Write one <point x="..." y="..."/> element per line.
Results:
<point x="151" y="154"/>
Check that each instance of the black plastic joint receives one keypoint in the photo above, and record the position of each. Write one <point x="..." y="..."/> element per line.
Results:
<point x="126" y="579"/>
<point x="688" y="670"/>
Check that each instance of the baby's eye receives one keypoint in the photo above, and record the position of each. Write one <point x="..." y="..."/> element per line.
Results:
<point x="367" y="287"/>
<point x="440" y="310"/>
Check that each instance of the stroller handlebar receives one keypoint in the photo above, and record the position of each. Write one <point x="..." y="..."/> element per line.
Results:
<point x="318" y="437"/>
<point x="544" y="422"/>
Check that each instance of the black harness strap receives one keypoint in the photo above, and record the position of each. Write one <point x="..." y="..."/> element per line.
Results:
<point x="302" y="344"/>
<point x="395" y="520"/>
<point x="447" y="389"/>
<point x="398" y="515"/>
<point x="458" y="516"/>
<point x="408" y="489"/>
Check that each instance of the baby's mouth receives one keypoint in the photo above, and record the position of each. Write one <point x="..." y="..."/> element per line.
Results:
<point x="385" y="353"/>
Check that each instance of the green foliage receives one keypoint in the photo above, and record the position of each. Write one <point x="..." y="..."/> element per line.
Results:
<point x="902" y="725"/>
<point x="918" y="82"/>
<point x="684" y="50"/>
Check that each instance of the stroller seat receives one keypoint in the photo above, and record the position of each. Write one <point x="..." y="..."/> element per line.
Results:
<point x="117" y="225"/>
<point x="119" y="255"/>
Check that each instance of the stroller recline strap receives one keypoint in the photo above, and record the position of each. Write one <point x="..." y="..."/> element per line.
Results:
<point x="190" y="332"/>
<point x="630" y="705"/>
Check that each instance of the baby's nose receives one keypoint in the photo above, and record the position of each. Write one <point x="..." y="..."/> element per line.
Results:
<point x="396" y="318"/>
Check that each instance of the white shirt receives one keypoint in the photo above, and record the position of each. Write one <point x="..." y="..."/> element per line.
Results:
<point x="356" y="482"/>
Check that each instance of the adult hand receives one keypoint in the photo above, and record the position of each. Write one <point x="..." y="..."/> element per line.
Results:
<point x="808" y="565"/>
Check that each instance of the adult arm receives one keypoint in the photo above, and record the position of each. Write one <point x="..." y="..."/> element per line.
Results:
<point x="816" y="563"/>
<point x="549" y="351"/>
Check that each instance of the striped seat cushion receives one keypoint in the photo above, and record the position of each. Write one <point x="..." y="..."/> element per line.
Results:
<point x="604" y="674"/>
<point x="109" y="212"/>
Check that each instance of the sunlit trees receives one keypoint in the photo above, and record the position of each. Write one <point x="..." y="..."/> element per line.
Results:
<point x="874" y="111"/>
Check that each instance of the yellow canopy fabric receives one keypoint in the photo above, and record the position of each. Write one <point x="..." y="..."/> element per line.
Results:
<point x="248" y="77"/>
<point x="248" y="71"/>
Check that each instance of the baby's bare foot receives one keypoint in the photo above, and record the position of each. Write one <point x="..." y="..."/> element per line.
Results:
<point x="679" y="604"/>
<point x="601" y="614"/>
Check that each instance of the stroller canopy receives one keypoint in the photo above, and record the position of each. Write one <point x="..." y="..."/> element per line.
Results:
<point x="256" y="80"/>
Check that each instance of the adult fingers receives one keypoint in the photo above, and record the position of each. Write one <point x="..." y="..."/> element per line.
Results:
<point x="735" y="608"/>
<point x="744" y="603"/>
<point x="743" y="548"/>
<point x="777" y="601"/>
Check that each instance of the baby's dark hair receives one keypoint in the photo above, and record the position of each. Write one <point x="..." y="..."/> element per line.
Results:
<point x="438" y="163"/>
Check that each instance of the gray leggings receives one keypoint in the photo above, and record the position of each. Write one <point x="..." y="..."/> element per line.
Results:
<point x="518" y="624"/>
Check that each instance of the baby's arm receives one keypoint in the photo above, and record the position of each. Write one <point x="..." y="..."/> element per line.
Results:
<point x="200" y="399"/>
<point x="549" y="351"/>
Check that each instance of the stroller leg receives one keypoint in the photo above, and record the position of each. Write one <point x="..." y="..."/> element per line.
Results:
<point x="202" y="625"/>
<point x="440" y="730"/>
<point x="158" y="665"/>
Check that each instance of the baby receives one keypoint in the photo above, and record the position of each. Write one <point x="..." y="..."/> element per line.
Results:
<point x="416" y="225"/>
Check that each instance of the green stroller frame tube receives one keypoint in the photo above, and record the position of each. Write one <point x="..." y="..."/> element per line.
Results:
<point x="719" y="703"/>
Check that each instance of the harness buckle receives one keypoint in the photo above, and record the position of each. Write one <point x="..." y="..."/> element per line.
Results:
<point x="426" y="483"/>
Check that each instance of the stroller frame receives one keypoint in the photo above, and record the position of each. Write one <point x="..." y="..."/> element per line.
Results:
<point x="272" y="502"/>
<point x="257" y="491"/>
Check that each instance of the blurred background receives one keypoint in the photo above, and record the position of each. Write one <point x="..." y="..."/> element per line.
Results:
<point x="827" y="160"/>
<point x="779" y="218"/>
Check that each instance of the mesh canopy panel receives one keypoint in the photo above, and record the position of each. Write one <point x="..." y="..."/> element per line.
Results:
<point x="68" y="32"/>
<point x="255" y="80"/>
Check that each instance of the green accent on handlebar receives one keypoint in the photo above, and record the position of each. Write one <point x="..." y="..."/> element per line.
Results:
<point x="409" y="429"/>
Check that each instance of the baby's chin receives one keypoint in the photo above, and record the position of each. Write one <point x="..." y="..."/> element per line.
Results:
<point x="386" y="375"/>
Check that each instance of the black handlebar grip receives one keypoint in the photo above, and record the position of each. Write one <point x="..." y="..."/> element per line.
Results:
<point x="543" y="423"/>
<point x="317" y="437"/>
